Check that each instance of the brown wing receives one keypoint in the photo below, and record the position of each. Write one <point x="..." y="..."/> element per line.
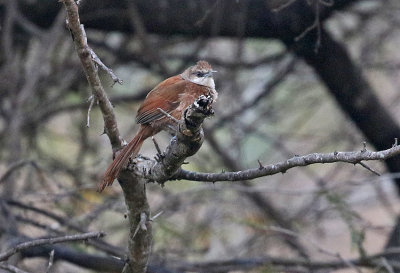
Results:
<point x="164" y="96"/>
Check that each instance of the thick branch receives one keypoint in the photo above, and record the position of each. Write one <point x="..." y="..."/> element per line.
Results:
<point x="133" y="181"/>
<point x="69" y="238"/>
<point x="86" y="56"/>
<point x="297" y="161"/>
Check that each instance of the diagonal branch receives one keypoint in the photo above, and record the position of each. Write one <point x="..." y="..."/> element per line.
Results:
<point x="296" y="161"/>
<point x="38" y="242"/>
<point x="90" y="68"/>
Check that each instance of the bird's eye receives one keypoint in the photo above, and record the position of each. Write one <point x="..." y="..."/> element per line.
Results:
<point x="200" y="74"/>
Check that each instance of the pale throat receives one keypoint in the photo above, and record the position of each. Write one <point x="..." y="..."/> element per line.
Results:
<point x="208" y="81"/>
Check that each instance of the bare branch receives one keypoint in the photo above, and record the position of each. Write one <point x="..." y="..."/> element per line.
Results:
<point x="297" y="161"/>
<point x="283" y="6"/>
<point x="369" y="168"/>
<point x="86" y="57"/>
<point x="55" y="240"/>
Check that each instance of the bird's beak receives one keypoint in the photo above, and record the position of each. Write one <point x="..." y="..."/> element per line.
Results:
<point x="209" y="74"/>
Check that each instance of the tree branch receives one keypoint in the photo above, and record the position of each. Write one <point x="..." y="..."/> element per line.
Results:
<point x="282" y="167"/>
<point x="86" y="54"/>
<point x="133" y="181"/>
<point x="297" y="265"/>
<point x="38" y="242"/>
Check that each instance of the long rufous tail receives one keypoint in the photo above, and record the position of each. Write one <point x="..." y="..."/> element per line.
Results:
<point x="132" y="149"/>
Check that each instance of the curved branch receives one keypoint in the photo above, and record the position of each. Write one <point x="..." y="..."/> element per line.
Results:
<point x="296" y="161"/>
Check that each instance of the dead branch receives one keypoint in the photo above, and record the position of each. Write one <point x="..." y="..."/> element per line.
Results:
<point x="55" y="240"/>
<point x="296" y="161"/>
<point x="89" y="66"/>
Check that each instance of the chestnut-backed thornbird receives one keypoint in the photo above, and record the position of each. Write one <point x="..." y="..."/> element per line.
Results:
<point x="161" y="109"/>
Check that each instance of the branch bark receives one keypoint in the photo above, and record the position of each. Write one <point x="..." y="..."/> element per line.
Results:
<point x="133" y="181"/>
<point x="86" y="56"/>
<point x="297" y="161"/>
<point x="38" y="242"/>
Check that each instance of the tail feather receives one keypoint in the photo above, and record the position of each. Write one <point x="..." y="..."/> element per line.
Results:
<point x="132" y="149"/>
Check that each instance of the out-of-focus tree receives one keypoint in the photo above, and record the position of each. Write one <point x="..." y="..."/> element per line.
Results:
<point x="294" y="77"/>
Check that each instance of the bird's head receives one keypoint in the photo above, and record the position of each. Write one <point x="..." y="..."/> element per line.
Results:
<point x="201" y="73"/>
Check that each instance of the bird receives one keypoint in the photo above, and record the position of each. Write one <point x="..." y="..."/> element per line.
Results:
<point x="161" y="109"/>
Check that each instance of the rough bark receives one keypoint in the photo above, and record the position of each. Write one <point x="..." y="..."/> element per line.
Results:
<point x="187" y="142"/>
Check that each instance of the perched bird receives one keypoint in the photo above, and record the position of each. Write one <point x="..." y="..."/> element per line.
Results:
<point x="170" y="97"/>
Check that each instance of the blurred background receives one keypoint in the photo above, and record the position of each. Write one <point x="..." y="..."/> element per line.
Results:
<point x="294" y="77"/>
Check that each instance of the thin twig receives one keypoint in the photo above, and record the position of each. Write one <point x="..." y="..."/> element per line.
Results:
<point x="51" y="260"/>
<point x="159" y="155"/>
<point x="91" y="100"/>
<point x="369" y="168"/>
<point x="141" y="225"/>
<point x="55" y="240"/>
<point x="315" y="25"/>
<point x="283" y="6"/>
<point x="97" y="60"/>
<point x="169" y="116"/>
<point x="156" y="145"/>
<point x="155" y="216"/>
